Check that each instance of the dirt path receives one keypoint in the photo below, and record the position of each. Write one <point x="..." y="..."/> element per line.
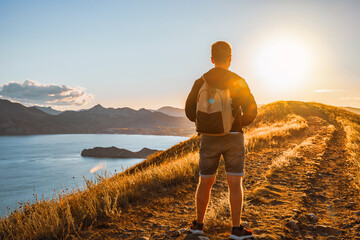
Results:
<point x="300" y="190"/>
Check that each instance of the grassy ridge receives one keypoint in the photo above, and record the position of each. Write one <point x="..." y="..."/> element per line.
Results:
<point x="71" y="213"/>
<point x="352" y="130"/>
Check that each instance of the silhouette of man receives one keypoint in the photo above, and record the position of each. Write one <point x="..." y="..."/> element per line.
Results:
<point x="230" y="146"/>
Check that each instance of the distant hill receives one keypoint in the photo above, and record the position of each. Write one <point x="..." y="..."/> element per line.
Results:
<point x="16" y="119"/>
<point x="48" y="110"/>
<point x="172" y="111"/>
<point x="352" y="109"/>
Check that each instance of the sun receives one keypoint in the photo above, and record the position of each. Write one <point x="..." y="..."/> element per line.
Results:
<point x="282" y="64"/>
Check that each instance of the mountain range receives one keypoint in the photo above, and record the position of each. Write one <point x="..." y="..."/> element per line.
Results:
<point x="17" y="119"/>
<point x="168" y="110"/>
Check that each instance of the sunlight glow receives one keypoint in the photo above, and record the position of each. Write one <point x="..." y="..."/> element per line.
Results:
<point x="282" y="64"/>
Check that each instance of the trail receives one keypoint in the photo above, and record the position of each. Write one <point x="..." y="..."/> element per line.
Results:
<point x="299" y="190"/>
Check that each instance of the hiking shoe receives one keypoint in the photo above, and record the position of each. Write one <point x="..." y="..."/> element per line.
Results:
<point x="240" y="233"/>
<point x="196" y="228"/>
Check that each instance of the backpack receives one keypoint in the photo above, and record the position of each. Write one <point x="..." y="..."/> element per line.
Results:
<point x="213" y="111"/>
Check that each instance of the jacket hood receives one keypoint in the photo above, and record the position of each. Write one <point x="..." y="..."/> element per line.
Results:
<point x="220" y="77"/>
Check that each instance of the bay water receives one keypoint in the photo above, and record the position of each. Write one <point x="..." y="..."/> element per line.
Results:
<point x="43" y="165"/>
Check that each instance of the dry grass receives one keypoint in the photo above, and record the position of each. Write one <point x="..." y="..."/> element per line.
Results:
<point x="264" y="134"/>
<point x="218" y="212"/>
<point x="261" y="194"/>
<point x="179" y="150"/>
<point x="353" y="146"/>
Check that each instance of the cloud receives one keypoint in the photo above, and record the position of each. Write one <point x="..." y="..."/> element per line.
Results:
<point x="328" y="90"/>
<point x="32" y="92"/>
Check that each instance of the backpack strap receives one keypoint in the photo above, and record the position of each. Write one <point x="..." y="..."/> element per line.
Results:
<point x="202" y="77"/>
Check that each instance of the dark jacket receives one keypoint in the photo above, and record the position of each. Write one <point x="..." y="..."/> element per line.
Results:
<point x="243" y="102"/>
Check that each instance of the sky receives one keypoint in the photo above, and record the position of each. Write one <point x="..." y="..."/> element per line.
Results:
<point x="74" y="54"/>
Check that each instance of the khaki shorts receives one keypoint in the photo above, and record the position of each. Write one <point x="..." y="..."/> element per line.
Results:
<point x="232" y="148"/>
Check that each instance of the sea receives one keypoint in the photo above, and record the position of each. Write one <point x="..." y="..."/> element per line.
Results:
<point x="42" y="166"/>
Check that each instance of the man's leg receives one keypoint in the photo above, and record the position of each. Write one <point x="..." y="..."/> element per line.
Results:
<point x="236" y="198"/>
<point x="203" y="196"/>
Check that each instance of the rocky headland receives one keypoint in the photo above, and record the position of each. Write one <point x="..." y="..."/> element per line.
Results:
<point x="114" y="152"/>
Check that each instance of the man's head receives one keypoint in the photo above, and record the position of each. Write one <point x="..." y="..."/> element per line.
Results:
<point x="221" y="54"/>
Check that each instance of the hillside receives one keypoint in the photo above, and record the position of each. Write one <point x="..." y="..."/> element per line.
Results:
<point x="352" y="109"/>
<point x="176" y="112"/>
<point x="16" y="119"/>
<point x="302" y="182"/>
<point x="48" y="110"/>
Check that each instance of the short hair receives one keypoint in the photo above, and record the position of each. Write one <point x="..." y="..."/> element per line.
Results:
<point x="220" y="51"/>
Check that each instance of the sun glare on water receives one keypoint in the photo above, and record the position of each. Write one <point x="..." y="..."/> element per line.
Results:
<point x="101" y="165"/>
<point x="282" y="64"/>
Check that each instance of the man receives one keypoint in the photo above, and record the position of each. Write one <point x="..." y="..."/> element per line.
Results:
<point x="230" y="146"/>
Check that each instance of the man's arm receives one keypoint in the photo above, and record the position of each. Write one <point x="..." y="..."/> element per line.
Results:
<point x="190" y="106"/>
<point x="249" y="109"/>
<point x="247" y="103"/>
